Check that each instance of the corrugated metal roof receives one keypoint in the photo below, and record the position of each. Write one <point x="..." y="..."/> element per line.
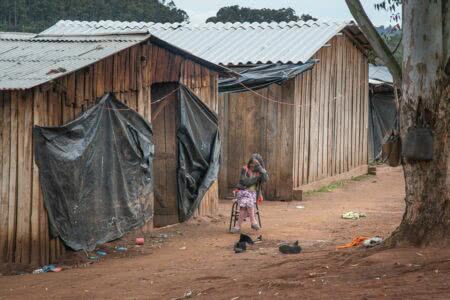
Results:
<point x="224" y="43"/>
<point x="379" y="75"/>
<point x="16" y="35"/>
<point x="26" y="63"/>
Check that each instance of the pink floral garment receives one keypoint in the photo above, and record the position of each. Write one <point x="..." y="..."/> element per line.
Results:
<point x="246" y="198"/>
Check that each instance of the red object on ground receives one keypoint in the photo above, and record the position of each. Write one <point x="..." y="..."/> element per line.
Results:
<point x="139" y="241"/>
<point x="356" y="242"/>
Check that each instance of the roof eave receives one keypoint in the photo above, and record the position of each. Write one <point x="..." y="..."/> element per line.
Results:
<point x="212" y="66"/>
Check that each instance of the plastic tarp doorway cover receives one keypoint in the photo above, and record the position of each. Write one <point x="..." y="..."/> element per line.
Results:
<point x="198" y="152"/>
<point x="96" y="174"/>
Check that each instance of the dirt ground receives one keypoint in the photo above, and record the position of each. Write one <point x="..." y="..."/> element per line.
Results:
<point x="196" y="260"/>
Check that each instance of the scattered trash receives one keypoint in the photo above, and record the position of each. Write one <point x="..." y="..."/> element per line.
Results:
<point x="290" y="248"/>
<point x="418" y="253"/>
<point x="121" y="249"/>
<point x="235" y="298"/>
<point x="93" y="257"/>
<point x="351" y="215"/>
<point x="101" y="253"/>
<point x="186" y="295"/>
<point x="300" y="206"/>
<point x="140" y="241"/>
<point x="314" y="274"/>
<point x="164" y="235"/>
<point x="356" y="242"/>
<point x="183" y="248"/>
<point x="47" y="268"/>
<point x="372" y="242"/>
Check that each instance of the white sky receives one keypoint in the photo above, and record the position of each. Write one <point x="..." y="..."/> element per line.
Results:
<point x="200" y="10"/>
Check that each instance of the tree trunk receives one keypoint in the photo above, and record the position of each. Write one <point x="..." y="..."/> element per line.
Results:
<point x="425" y="88"/>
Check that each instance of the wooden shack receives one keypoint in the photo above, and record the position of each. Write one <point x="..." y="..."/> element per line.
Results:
<point x="49" y="80"/>
<point x="312" y="129"/>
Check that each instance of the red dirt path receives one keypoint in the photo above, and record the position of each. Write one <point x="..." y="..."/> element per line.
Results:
<point x="198" y="257"/>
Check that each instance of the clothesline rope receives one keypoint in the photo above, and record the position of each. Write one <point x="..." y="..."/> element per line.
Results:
<point x="278" y="101"/>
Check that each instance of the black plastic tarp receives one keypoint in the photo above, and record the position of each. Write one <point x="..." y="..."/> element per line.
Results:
<point x="262" y="76"/>
<point x="198" y="151"/>
<point x="382" y="120"/>
<point x="96" y="173"/>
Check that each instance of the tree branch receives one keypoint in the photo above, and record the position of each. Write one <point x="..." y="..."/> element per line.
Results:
<point x="375" y="40"/>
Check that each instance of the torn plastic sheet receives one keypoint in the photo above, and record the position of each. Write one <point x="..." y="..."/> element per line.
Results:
<point x="198" y="151"/>
<point x="262" y="76"/>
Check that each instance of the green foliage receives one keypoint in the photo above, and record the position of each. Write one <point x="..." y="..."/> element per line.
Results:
<point x="391" y="6"/>
<point x="236" y="13"/>
<point x="392" y="36"/>
<point x="35" y="16"/>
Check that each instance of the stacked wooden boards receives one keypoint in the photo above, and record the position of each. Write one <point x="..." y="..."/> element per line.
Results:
<point x="311" y="129"/>
<point x="24" y="235"/>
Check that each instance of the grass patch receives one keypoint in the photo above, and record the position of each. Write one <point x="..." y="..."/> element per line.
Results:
<point x="327" y="188"/>
<point x="362" y="177"/>
<point x="337" y="184"/>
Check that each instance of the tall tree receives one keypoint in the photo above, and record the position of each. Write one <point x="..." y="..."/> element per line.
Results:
<point x="236" y="13"/>
<point x="35" y="16"/>
<point x="425" y="91"/>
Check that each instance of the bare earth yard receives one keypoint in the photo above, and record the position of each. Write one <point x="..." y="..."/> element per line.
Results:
<point x="197" y="258"/>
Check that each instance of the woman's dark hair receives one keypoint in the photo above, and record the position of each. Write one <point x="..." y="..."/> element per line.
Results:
<point x="250" y="161"/>
<point x="258" y="158"/>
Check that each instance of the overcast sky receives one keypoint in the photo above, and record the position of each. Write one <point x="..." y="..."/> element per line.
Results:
<point x="200" y="10"/>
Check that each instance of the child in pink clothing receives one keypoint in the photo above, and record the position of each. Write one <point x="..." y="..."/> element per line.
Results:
<point x="252" y="176"/>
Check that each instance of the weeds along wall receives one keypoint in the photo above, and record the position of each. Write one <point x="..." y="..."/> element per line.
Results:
<point x="24" y="234"/>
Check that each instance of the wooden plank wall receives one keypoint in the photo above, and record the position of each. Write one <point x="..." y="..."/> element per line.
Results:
<point x="331" y="121"/>
<point x="24" y="236"/>
<point x="253" y="124"/>
<point x="165" y="159"/>
<point x="323" y="135"/>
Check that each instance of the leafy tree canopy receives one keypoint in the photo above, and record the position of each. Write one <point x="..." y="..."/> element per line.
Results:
<point x="236" y="13"/>
<point x="35" y="16"/>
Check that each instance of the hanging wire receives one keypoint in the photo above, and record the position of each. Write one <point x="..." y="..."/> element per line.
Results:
<point x="153" y="102"/>
<point x="280" y="101"/>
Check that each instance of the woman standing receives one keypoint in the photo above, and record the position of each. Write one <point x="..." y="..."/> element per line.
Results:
<point x="252" y="176"/>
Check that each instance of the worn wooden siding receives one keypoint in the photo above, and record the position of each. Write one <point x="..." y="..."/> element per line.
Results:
<point x="170" y="67"/>
<point x="331" y="121"/>
<point x="322" y="136"/>
<point x="24" y="235"/>
<point x="252" y="124"/>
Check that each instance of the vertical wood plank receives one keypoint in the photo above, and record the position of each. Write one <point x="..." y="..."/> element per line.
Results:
<point x="13" y="178"/>
<point x="3" y="200"/>
<point x="23" y="179"/>
<point x="36" y="192"/>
